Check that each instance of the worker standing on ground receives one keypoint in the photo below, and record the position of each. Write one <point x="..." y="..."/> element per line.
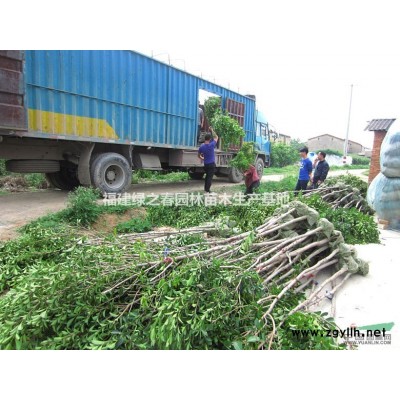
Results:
<point x="304" y="172"/>
<point x="321" y="170"/>
<point x="207" y="154"/>
<point x="252" y="180"/>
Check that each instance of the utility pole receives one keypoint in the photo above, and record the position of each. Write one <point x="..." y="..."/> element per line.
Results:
<point x="348" y="124"/>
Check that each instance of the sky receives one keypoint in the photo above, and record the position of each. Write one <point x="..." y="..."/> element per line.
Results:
<point x="299" y="58"/>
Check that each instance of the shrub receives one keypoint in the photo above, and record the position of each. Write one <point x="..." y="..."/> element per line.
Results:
<point x="331" y="152"/>
<point x="360" y="160"/>
<point x="283" y="154"/>
<point x="3" y="170"/>
<point x="82" y="207"/>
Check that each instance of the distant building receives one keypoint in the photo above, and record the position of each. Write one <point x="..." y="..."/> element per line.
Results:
<point x="323" y="142"/>
<point x="281" y="138"/>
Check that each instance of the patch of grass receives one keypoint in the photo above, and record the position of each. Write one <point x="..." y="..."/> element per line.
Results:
<point x="3" y="170"/>
<point x="134" y="225"/>
<point x="159" y="176"/>
<point x="287" y="184"/>
<point x="12" y="182"/>
<point x="348" y="167"/>
<point x="288" y="170"/>
<point x="37" y="181"/>
<point x="82" y="207"/>
<point x="82" y="210"/>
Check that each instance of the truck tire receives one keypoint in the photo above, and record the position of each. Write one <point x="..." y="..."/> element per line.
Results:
<point x="197" y="176"/>
<point x="260" y="167"/>
<point x="234" y="175"/>
<point x="66" y="178"/>
<point x="111" y="173"/>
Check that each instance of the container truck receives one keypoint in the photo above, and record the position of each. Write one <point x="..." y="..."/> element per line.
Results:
<point x="91" y="117"/>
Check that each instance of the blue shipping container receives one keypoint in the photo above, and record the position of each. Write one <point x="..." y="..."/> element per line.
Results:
<point x="119" y="97"/>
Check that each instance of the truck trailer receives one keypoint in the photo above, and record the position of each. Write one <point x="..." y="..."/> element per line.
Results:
<point x="91" y="117"/>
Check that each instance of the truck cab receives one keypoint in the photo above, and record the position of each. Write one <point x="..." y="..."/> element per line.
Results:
<point x="263" y="140"/>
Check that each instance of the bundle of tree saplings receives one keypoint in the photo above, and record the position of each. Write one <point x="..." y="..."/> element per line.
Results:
<point x="342" y="195"/>
<point x="287" y="252"/>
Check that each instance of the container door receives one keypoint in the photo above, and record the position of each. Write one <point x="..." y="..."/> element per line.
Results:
<point x="12" y="89"/>
<point x="235" y="109"/>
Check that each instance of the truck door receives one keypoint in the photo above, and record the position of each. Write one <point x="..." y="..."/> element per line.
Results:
<point x="12" y="90"/>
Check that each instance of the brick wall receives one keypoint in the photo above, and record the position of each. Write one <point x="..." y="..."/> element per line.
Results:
<point x="375" y="168"/>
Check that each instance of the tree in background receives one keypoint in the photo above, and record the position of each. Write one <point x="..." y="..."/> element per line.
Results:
<point x="285" y="154"/>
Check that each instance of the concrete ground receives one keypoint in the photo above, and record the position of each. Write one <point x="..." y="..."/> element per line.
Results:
<point x="371" y="299"/>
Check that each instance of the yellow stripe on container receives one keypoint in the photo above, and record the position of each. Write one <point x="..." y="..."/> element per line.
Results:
<point x="66" y="124"/>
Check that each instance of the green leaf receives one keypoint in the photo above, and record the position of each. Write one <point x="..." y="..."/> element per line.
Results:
<point x="253" y="339"/>
<point x="237" y="346"/>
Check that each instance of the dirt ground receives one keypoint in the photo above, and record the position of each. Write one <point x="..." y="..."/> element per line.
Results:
<point x="17" y="209"/>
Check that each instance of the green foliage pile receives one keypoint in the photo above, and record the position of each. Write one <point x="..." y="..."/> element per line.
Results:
<point x="143" y="175"/>
<point x="351" y="180"/>
<point x="245" y="217"/>
<point x="60" y="297"/>
<point x="212" y="106"/>
<point x="356" y="227"/>
<point x="245" y="157"/>
<point x="228" y="129"/>
<point x="134" y="225"/>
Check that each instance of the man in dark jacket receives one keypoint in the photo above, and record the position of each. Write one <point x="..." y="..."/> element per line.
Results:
<point x="321" y="170"/>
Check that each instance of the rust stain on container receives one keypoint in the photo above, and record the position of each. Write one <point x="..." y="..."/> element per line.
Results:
<point x="12" y="105"/>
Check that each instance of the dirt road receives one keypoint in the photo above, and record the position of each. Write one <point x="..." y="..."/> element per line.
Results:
<point x="17" y="209"/>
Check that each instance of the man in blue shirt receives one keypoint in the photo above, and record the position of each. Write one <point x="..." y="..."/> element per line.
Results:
<point x="207" y="154"/>
<point x="304" y="172"/>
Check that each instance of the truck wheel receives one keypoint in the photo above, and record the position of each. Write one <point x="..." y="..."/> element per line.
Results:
<point x="234" y="175"/>
<point x="197" y="176"/>
<point x="66" y="178"/>
<point x="111" y="173"/>
<point x="260" y="167"/>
